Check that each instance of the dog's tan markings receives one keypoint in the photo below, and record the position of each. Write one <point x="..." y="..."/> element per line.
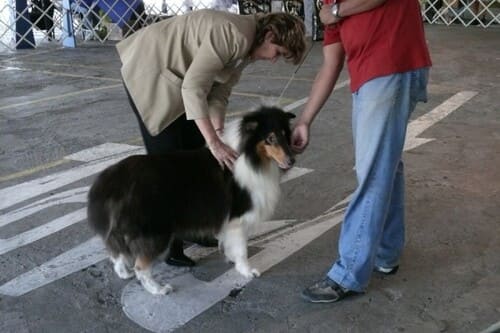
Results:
<point x="273" y="150"/>
<point x="143" y="273"/>
<point x="142" y="263"/>
<point x="262" y="151"/>
<point x="277" y="153"/>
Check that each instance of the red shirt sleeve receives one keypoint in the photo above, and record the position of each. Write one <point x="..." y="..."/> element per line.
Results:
<point x="331" y="33"/>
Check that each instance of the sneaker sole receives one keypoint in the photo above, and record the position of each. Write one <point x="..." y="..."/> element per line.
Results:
<point x="393" y="271"/>
<point x="310" y="300"/>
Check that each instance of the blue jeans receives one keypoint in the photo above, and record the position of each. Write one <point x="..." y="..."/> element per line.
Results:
<point x="373" y="229"/>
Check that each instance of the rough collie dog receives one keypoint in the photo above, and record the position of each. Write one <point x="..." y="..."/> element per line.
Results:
<point x="139" y="204"/>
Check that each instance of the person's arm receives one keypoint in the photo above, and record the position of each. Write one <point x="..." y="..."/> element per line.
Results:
<point x="217" y="49"/>
<point x="218" y="99"/>
<point x="347" y="8"/>
<point x="333" y="60"/>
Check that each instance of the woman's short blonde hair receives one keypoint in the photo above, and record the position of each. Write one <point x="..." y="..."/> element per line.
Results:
<point x="288" y="31"/>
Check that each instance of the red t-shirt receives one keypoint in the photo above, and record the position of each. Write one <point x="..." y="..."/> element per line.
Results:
<point x="386" y="40"/>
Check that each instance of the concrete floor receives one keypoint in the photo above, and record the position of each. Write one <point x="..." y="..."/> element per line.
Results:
<point x="56" y="102"/>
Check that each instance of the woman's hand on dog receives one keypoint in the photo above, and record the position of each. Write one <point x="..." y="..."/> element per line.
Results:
<point x="224" y="154"/>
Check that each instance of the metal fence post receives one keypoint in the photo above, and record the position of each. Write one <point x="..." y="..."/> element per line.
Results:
<point x="308" y="16"/>
<point x="24" y="27"/>
<point x="68" y="39"/>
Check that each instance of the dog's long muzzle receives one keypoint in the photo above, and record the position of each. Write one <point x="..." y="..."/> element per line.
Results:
<point x="278" y="149"/>
<point x="287" y="162"/>
<point x="286" y="158"/>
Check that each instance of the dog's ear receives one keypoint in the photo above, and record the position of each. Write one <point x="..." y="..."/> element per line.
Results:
<point x="289" y="115"/>
<point x="251" y="126"/>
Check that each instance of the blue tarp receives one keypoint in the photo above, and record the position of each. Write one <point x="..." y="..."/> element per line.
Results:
<point x="118" y="11"/>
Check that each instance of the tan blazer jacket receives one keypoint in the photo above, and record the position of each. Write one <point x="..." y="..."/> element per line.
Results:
<point x="188" y="63"/>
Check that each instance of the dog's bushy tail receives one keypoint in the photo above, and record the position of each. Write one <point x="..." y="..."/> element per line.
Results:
<point x="103" y="215"/>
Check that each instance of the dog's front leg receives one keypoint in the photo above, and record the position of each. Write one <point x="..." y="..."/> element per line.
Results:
<point x="235" y="249"/>
<point x="142" y="269"/>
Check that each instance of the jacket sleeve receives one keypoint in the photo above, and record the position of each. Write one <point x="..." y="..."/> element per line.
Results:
<point x="218" y="97"/>
<point x="221" y="45"/>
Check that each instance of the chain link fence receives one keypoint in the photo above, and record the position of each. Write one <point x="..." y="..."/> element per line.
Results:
<point x="484" y="13"/>
<point x="33" y="23"/>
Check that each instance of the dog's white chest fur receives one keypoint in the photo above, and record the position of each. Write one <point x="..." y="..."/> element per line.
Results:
<point x="263" y="186"/>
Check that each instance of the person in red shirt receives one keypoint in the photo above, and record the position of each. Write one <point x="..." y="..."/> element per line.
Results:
<point x="384" y="45"/>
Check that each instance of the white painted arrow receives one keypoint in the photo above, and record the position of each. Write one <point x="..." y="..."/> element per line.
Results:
<point x="418" y="126"/>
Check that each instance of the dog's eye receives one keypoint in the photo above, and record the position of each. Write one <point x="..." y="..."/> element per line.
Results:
<point x="271" y="139"/>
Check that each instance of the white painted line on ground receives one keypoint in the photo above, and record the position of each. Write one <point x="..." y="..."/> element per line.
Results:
<point x="30" y="171"/>
<point x="77" y="76"/>
<point x="303" y="101"/>
<point x="269" y="226"/>
<point x="103" y="151"/>
<point x="8" y="68"/>
<point x="17" y="193"/>
<point x="51" y="98"/>
<point x="77" y="195"/>
<point x="32" y="235"/>
<point x="62" y="266"/>
<point x="418" y="126"/>
<point x="92" y="251"/>
<point x="192" y="297"/>
<point x="295" y="172"/>
<point x="57" y="268"/>
<point x="261" y="231"/>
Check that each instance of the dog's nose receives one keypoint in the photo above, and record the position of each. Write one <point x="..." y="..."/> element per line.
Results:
<point x="292" y="161"/>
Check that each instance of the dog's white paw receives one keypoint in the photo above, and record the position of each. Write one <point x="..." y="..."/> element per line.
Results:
<point x="123" y="272"/>
<point x="247" y="271"/>
<point x="255" y="272"/>
<point x="125" y="275"/>
<point x="159" y="290"/>
<point x="166" y="289"/>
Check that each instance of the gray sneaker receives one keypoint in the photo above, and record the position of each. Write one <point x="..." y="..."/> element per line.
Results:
<point x="326" y="291"/>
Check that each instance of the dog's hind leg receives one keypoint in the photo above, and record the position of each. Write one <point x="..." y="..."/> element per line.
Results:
<point x="122" y="266"/>
<point x="235" y="249"/>
<point x="143" y="266"/>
